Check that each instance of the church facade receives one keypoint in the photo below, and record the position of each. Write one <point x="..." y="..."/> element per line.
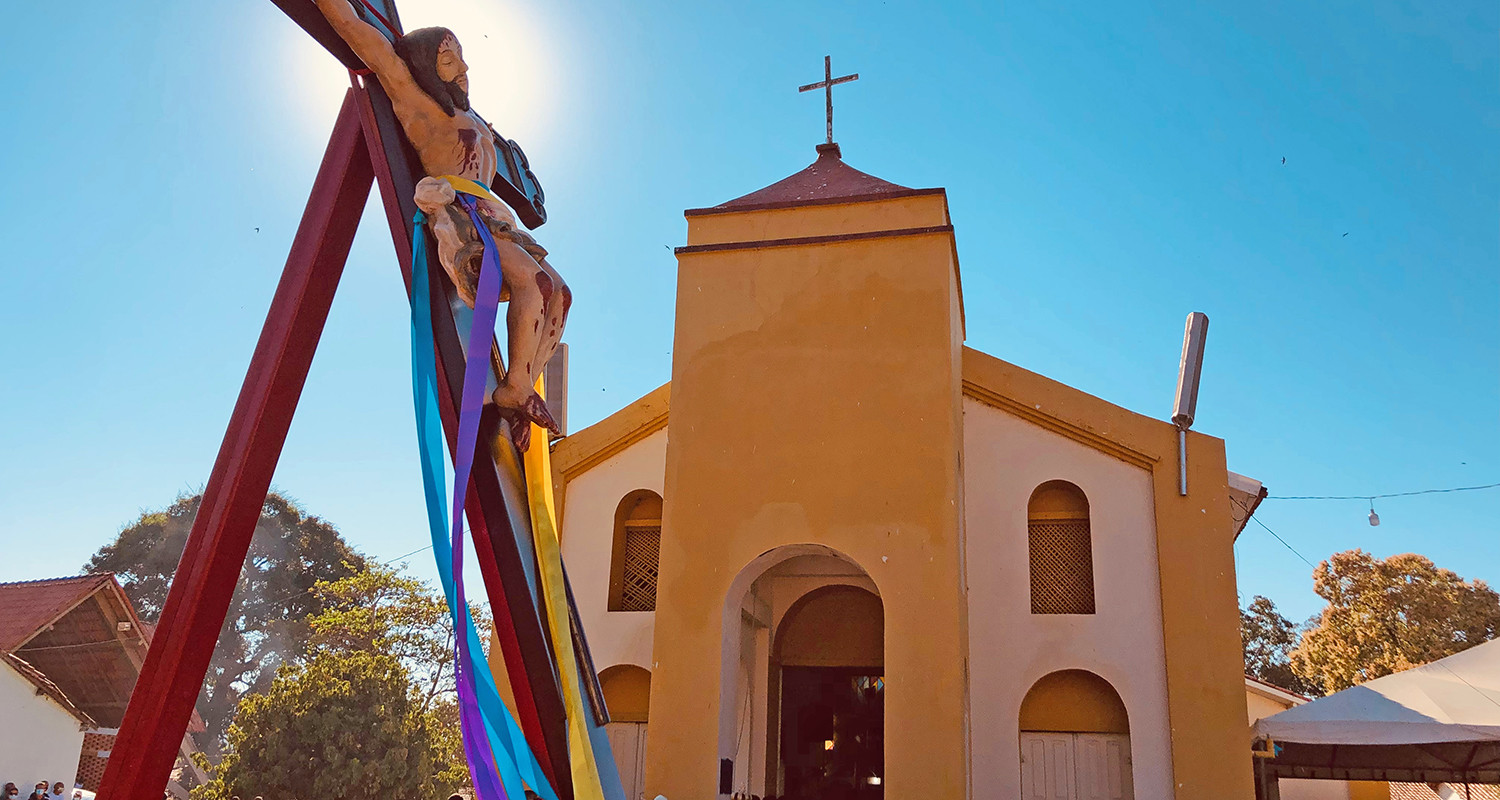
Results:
<point x="841" y="554"/>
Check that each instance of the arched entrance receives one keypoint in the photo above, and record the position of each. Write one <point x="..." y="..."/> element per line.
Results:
<point x="802" y="666"/>
<point x="1075" y="740"/>
<point x="627" y="695"/>
<point x="829" y="656"/>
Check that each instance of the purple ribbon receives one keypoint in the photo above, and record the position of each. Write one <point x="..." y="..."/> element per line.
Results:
<point x="487" y="785"/>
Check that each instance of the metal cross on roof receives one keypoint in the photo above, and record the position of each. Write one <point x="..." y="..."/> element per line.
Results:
<point x="827" y="85"/>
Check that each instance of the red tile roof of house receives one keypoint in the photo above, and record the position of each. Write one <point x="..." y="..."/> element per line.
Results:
<point x="1421" y="791"/>
<point x="27" y="607"/>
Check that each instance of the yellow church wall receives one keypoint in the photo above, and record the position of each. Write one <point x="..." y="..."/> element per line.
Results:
<point x="1195" y="558"/>
<point x="815" y="399"/>
<point x="1369" y="790"/>
<point x="615" y="637"/>
<point x="1259" y="707"/>
<point x="915" y="209"/>
<point x="1005" y="459"/>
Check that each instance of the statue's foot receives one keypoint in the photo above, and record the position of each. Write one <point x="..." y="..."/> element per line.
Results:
<point x="520" y="430"/>
<point x="522" y="407"/>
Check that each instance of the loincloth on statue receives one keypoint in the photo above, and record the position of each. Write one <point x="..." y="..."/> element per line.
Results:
<point x="460" y="246"/>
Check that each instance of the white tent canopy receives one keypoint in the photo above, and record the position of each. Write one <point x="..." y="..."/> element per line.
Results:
<point x="1455" y="699"/>
<point x="1440" y="721"/>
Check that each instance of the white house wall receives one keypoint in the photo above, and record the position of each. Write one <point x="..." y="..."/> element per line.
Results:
<point x="39" y="739"/>
<point x="588" y="529"/>
<point x="1005" y="459"/>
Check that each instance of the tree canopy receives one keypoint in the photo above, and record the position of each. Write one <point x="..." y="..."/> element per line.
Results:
<point x="344" y="724"/>
<point x="368" y="711"/>
<point x="380" y="609"/>
<point x="290" y="552"/>
<point x="1269" y="639"/>
<point x="1387" y="615"/>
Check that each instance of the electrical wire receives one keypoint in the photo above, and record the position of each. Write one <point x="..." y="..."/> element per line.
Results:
<point x="308" y="590"/>
<point x="1383" y="496"/>
<point x="1284" y="542"/>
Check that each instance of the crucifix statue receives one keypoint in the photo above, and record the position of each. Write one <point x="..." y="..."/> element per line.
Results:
<point x="448" y="184"/>
<point x="427" y="80"/>
<point x="827" y="85"/>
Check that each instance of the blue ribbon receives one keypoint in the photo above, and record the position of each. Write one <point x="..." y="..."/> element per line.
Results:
<point x="491" y="736"/>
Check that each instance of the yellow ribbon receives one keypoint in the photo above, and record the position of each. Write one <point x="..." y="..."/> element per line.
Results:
<point x="471" y="187"/>
<point x="538" y="461"/>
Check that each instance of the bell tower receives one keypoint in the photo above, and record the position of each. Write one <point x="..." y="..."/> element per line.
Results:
<point x="816" y="400"/>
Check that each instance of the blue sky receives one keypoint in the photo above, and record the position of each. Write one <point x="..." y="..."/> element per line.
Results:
<point x="1110" y="167"/>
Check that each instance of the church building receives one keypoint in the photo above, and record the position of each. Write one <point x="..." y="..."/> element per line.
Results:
<point x="842" y="555"/>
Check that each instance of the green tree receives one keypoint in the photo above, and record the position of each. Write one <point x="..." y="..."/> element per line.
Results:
<point x="380" y="609"/>
<point x="1387" y="615"/>
<point x="343" y="724"/>
<point x="1269" y="639"/>
<point x="290" y="552"/>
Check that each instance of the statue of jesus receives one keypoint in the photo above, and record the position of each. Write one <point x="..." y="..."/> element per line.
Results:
<point x="427" y="80"/>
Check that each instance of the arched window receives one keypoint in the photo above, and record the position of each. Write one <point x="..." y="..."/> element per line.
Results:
<point x="1062" y="552"/>
<point x="637" y="549"/>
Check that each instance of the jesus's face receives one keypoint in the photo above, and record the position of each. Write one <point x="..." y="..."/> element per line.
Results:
<point x="450" y="64"/>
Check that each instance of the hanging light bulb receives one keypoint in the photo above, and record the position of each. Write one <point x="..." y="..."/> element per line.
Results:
<point x="1374" y="518"/>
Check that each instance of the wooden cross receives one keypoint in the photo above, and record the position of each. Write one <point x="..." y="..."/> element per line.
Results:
<point x="367" y="148"/>
<point x="827" y="85"/>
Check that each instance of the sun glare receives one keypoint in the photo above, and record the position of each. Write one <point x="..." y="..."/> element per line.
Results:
<point x="513" y="76"/>
<point x="315" y="83"/>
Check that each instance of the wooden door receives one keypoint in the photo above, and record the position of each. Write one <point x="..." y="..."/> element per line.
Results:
<point x="1103" y="766"/>
<point x="628" y="742"/>
<point x="1075" y="766"/>
<point x="1047" y="766"/>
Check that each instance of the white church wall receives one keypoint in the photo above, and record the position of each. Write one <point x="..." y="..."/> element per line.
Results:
<point x="615" y="637"/>
<point x="1005" y="459"/>
<point x="40" y="740"/>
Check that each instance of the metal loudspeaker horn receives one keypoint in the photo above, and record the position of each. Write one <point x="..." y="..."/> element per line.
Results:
<point x="1189" y="373"/>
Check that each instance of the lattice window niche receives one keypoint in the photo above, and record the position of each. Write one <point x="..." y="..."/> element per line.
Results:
<point x="1061" y="549"/>
<point x="636" y="553"/>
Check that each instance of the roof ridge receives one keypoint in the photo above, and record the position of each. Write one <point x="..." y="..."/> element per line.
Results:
<point x="65" y="579"/>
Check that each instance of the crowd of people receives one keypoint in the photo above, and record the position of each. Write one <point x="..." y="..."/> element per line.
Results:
<point x="40" y="792"/>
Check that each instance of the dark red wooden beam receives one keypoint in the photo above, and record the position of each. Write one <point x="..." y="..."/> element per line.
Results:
<point x="172" y="676"/>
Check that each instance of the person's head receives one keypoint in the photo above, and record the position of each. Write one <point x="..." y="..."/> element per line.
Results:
<point x="436" y="61"/>
<point x="10" y="789"/>
<point x="57" y="788"/>
<point x="41" y="787"/>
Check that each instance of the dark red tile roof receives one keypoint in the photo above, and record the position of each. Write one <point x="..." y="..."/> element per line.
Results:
<point x="828" y="178"/>
<point x="26" y="607"/>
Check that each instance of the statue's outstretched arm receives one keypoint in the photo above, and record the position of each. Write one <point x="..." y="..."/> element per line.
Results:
<point x="376" y="51"/>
